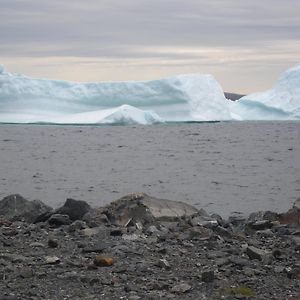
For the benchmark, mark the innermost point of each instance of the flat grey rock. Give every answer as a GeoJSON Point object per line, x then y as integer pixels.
{"type": "Point", "coordinates": [140, 207]}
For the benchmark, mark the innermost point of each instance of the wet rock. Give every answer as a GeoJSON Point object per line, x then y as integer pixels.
{"type": "Point", "coordinates": [58, 220]}
{"type": "Point", "coordinates": [103, 261]}
{"type": "Point", "coordinates": [75, 209]}
{"type": "Point", "coordinates": [17, 208]}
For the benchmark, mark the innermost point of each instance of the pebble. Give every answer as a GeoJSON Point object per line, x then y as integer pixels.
{"type": "Point", "coordinates": [52, 260]}
{"type": "Point", "coordinates": [181, 288]}
{"type": "Point", "coordinates": [103, 261]}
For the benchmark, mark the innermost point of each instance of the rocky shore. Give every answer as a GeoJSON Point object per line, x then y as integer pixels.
{"type": "Point", "coordinates": [140, 247]}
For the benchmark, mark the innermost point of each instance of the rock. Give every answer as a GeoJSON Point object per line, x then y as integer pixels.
{"type": "Point", "coordinates": [17, 208]}
{"type": "Point", "coordinates": [15, 258]}
{"type": "Point", "coordinates": [293, 272]}
{"type": "Point", "coordinates": [26, 272]}
{"type": "Point", "coordinates": [292, 216]}
{"type": "Point", "coordinates": [163, 263]}
{"type": "Point", "coordinates": [95, 217]}
{"type": "Point", "coordinates": [5, 222]}
{"type": "Point", "coordinates": [52, 243]}
{"type": "Point", "coordinates": [37, 245]}
{"type": "Point", "coordinates": [75, 209]}
{"type": "Point", "coordinates": [89, 232]}
{"type": "Point", "coordinates": [256, 253]}
{"type": "Point", "coordinates": [77, 225]}
{"type": "Point", "coordinates": [204, 220]}
{"type": "Point", "coordinates": [141, 208]}
{"type": "Point", "coordinates": [58, 220]}
{"type": "Point", "coordinates": [52, 260]}
{"type": "Point", "coordinates": [261, 225]}
{"type": "Point", "coordinates": [103, 261]}
{"type": "Point", "coordinates": [130, 237]}
{"type": "Point", "coordinates": [208, 276]}
{"type": "Point", "coordinates": [98, 248]}
{"type": "Point", "coordinates": [237, 218]}
{"type": "Point", "coordinates": [181, 288]}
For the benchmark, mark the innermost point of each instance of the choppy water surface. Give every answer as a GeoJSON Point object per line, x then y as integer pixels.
{"type": "Point", "coordinates": [222, 167]}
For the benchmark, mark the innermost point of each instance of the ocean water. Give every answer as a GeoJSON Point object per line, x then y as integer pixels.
{"type": "Point", "coordinates": [221, 167]}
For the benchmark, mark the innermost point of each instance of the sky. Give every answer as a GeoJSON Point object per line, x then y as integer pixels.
{"type": "Point", "coordinates": [244, 44]}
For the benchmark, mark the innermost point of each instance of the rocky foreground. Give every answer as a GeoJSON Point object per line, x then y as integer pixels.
{"type": "Point", "coordinates": [140, 247]}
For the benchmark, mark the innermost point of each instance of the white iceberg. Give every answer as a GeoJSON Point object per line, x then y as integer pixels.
{"type": "Point", "coordinates": [191, 97]}
{"type": "Point", "coordinates": [282, 102]}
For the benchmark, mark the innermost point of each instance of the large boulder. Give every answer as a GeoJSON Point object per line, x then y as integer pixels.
{"type": "Point", "coordinates": [75, 209]}
{"type": "Point", "coordinates": [17, 208]}
{"type": "Point", "coordinates": [140, 207]}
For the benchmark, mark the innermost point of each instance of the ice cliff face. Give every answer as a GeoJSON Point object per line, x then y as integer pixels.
{"type": "Point", "coordinates": [181, 98]}
{"type": "Point", "coordinates": [282, 102]}
{"type": "Point", "coordinates": [193, 97]}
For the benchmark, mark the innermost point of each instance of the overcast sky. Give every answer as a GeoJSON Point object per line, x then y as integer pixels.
{"type": "Point", "coordinates": [244, 44]}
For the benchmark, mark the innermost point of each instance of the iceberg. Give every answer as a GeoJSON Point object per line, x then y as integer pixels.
{"type": "Point", "coordinates": [282, 102]}
{"type": "Point", "coordinates": [193, 97]}
{"type": "Point", "coordinates": [182, 98]}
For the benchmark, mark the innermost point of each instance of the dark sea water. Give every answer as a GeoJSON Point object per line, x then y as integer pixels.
{"type": "Point", "coordinates": [221, 167]}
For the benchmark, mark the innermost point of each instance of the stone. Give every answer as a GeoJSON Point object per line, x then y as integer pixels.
{"type": "Point", "coordinates": [98, 248]}
{"type": "Point", "coordinates": [204, 221]}
{"type": "Point", "coordinates": [141, 208]}
{"type": "Point", "coordinates": [26, 272]}
{"type": "Point", "coordinates": [58, 220]}
{"type": "Point", "coordinates": [89, 232]}
{"type": "Point", "coordinates": [52, 260]}
{"type": "Point", "coordinates": [37, 245]}
{"type": "Point", "coordinates": [52, 243]}
{"type": "Point", "coordinates": [208, 276]}
{"type": "Point", "coordinates": [292, 216]}
{"type": "Point", "coordinates": [103, 261]}
{"type": "Point", "coordinates": [17, 208]}
{"type": "Point", "coordinates": [261, 225]}
{"type": "Point", "coordinates": [95, 217]}
{"type": "Point", "coordinates": [75, 209]}
{"type": "Point", "coordinates": [256, 253]}
{"type": "Point", "coordinates": [163, 263]}
{"type": "Point", "coordinates": [181, 288]}
{"type": "Point", "coordinates": [15, 258]}
{"type": "Point", "coordinates": [77, 225]}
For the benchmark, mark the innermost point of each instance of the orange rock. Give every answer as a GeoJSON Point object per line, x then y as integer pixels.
{"type": "Point", "coordinates": [103, 261]}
